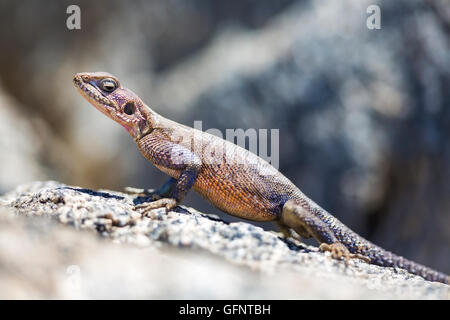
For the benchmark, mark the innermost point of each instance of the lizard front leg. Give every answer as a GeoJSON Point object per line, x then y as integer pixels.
{"type": "Point", "coordinates": [178, 189]}
{"type": "Point", "coordinates": [173, 158]}
{"type": "Point", "coordinates": [306, 223]}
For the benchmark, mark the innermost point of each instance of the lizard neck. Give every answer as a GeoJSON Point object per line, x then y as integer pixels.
{"type": "Point", "coordinates": [152, 121]}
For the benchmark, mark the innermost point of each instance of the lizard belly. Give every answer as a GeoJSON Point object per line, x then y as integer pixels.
{"type": "Point", "coordinates": [221, 187]}
{"type": "Point", "coordinates": [217, 186]}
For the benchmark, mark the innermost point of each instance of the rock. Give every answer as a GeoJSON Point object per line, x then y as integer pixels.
{"type": "Point", "coordinates": [83, 243]}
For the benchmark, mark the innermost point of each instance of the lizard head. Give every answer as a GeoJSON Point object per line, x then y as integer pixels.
{"type": "Point", "coordinates": [105, 93]}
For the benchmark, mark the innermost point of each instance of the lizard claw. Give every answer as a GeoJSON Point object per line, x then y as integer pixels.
{"type": "Point", "coordinates": [338, 251]}
{"type": "Point", "coordinates": [168, 203]}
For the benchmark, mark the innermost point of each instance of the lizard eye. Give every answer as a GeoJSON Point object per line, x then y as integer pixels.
{"type": "Point", "coordinates": [129, 108]}
{"type": "Point", "coordinates": [108, 85]}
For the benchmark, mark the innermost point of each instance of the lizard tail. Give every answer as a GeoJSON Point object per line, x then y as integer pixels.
{"type": "Point", "coordinates": [377, 255]}
{"type": "Point", "coordinates": [308, 219]}
{"type": "Point", "coordinates": [385, 258]}
{"type": "Point", "coordinates": [381, 257]}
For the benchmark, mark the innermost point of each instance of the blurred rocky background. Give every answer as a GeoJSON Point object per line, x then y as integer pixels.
{"type": "Point", "coordinates": [364, 115]}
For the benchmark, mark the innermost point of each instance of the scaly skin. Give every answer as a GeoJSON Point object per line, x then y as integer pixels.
{"type": "Point", "coordinates": [230, 177]}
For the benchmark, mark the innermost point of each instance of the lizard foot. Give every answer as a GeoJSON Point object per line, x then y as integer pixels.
{"type": "Point", "coordinates": [168, 203]}
{"type": "Point", "coordinates": [338, 250]}
{"type": "Point", "coordinates": [285, 230]}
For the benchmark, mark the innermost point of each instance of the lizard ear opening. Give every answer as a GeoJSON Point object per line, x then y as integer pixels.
{"type": "Point", "coordinates": [129, 108]}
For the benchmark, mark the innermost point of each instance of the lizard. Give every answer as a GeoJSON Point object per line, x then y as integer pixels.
{"type": "Point", "coordinates": [232, 178]}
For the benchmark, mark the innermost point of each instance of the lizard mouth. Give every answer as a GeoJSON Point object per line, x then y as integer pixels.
{"type": "Point", "coordinates": [93, 95]}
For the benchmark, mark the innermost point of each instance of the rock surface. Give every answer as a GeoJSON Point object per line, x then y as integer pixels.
{"type": "Point", "coordinates": [60, 241]}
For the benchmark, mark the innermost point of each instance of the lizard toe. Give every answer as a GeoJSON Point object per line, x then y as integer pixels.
{"type": "Point", "coordinates": [338, 251]}
{"type": "Point", "coordinates": [167, 203]}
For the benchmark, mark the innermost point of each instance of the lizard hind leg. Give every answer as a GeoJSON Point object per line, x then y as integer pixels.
{"type": "Point", "coordinates": [298, 234]}
{"type": "Point", "coordinates": [287, 232]}
{"type": "Point", "coordinates": [305, 222]}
